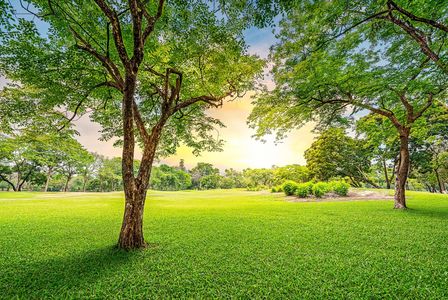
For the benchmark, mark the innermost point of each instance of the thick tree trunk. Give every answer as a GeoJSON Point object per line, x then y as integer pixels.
{"type": "Point", "coordinates": [402, 170]}
{"type": "Point", "coordinates": [131, 234]}
{"type": "Point", "coordinates": [386, 174]}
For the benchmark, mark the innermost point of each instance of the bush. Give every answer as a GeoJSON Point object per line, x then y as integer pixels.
{"type": "Point", "coordinates": [273, 189]}
{"type": "Point", "coordinates": [302, 190]}
{"type": "Point", "coordinates": [320, 189]}
{"type": "Point", "coordinates": [289, 187]}
{"type": "Point", "coordinates": [340, 187]}
{"type": "Point", "coordinates": [309, 186]}
{"type": "Point", "coordinates": [279, 188]}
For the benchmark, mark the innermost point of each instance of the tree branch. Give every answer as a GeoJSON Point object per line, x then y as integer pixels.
{"type": "Point", "coordinates": [104, 60]}
{"type": "Point", "coordinates": [106, 83]}
{"type": "Point", "coordinates": [418, 19]}
{"type": "Point", "coordinates": [8, 182]}
{"type": "Point", "coordinates": [116, 31]}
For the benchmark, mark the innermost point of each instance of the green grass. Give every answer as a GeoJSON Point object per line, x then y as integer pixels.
{"type": "Point", "coordinates": [223, 244]}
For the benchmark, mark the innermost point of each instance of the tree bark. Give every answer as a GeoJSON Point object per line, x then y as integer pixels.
{"type": "Point", "coordinates": [84, 184]}
{"type": "Point", "coordinates": [402, 170]}
{"type": "Point", "coordinates": [47, 182]}
{"type": "Point", "coordinates": [67, 182]}
{"type": "Point", "coordinates": [386, 174]}
{"type": "Point", "coordinates": [439, 182]}
{"type": "Point", "coordinates": [131, 233]}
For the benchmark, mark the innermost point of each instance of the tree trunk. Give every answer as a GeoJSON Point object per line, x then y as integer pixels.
{"type": "Point", "coordinates": [402, 170]}
{"type": "Point", "coordinates": [47, 182]}
{"type": "Point", "coordinates": [66, 183]}
{"type": "Point", "coordinates": [84, 184]}
{"type": "Point", "coordinates": [131, 234]}
{"type": "Point", "coordinates": [439, 182]}
{"type": "Point", "coordinates": [386, 174]}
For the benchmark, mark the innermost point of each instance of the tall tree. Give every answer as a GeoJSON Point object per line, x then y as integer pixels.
{"type": "Point", "coordinates": [148, 69]}
{"type": "Point", "coordinates": [385, 73]}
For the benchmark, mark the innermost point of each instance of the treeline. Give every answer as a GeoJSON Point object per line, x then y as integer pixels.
{"type": "Point", "coordinates": [365, 158]}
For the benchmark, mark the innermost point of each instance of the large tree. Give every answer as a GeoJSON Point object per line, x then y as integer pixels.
{"type": "Point", "coordinates": [326, 79]}
{"type": "Point", "coordinates": [146, 69]}
{"type": "Point", "coordinates": [335, 154]}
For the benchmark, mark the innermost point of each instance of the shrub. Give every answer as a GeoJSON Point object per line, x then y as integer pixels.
{"type": "Point", "coordinates": [279, 188]}
{"type": "Point", "coordinates": [320, 189]}
{"type": "Point", "coordinates": [289, 187]}
{"type": "Point", "coordinates": [340, 187]}
{"type": "Point", "coordinates": [273, 189]}
{"type": "Point", "coordinates": [309, 186]}
{"type": "Point", "coordinates": [302, 190]}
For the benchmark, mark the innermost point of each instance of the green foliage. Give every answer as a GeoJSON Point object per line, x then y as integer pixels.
{"type": "Point", "coordinates": [335, 154]}
{"type": "Point", "coordinates": [320, 189]}
{"type": "Point", "coordinates": [340, 187]}
{"type": "Point", "coordinates": [295, 173]}
{"type": "Point", "coordinates": [302, 190]}
{"type": "Point", "coordinates": [166, 178]}
{"type": "Point", "coordinates": [258, 177]}
{"type": "Point", "coordinates": [289, 187]}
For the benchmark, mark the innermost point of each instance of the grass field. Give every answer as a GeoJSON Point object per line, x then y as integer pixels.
{"type": "Point", "coordinates": [223, 244]}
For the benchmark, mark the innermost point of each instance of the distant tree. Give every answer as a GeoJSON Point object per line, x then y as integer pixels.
{"type": "Point", "coordinates": [18, 159]}
{"type": "Point", "coordinates": [74, 160]}
{"type": "Point", "coordinates": [258, 177]}
{"type": "Point", "coordinates": [109, 175]}
{"type": "Point", "coordinates": [202, 170]}
{"type": "Point", "coordinates": [334, 154]}
{"type": "Point", "coordinates": [379, 136]}
{"type": "Point", "coordinates": [232, 179]}
{"type": "Point", "coordinates": [166, 178]}
{"type": "Point", "coordinates": [295, 173]}
{"type": "Point", "coordinates": [182, 165]}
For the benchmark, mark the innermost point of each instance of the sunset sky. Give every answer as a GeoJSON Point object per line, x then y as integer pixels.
{"type": "Point", "coordinates": [241, 150]}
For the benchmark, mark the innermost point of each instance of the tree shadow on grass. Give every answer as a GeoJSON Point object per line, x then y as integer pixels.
{"type": "Point", "coordinates": [431, 213]}
{"type": "Point", "coordinates": [59, 277]}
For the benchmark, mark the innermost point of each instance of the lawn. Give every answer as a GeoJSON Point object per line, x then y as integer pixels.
{"type": "Point", "coordinates": [223, 244]}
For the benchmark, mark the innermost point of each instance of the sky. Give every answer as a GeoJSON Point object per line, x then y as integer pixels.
{"type": "Point", "coordinates": [240, 150]}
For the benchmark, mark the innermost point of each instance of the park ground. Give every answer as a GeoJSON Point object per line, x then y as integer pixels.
{"type": "Point", "coordinates": [223, 244]}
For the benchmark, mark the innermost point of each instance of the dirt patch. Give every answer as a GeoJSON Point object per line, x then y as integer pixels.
{"type": "Point", "coordinates": [361, 195]}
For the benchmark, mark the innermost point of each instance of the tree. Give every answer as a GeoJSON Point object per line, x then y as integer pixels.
{"type": "Point", "coordinates": [202, 170]}
{"type": "Point", "coordinates": [258, 177]}
{"type": "Point", "coordinates": [166, 178]}
{"type": "Point", "coordinates": [18, 159]}
{"type": "Point", "coordinates": [109, 175]}
{"type": "Point", "coordinates": [334, 154]}
{"type": "Point", "coordinates": [148, 69]}
{"type": "Point", "coordinates": [295, 173]}
{"type": "Point", "coordinates": [73, 161]}
{"type": "Point", "coordinates": [378, 134]}
{"type": "Point", "coordinates": [385, 73]}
